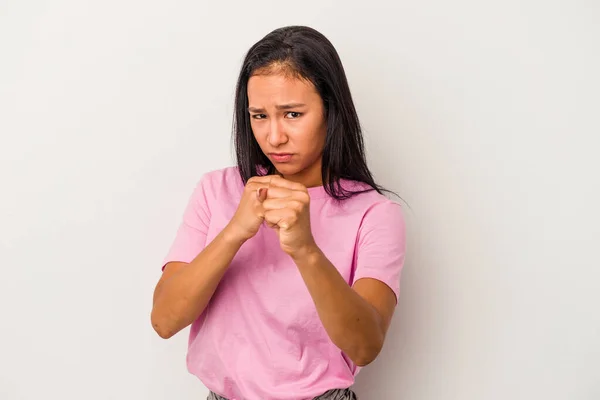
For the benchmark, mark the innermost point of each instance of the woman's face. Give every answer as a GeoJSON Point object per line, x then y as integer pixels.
{"type": "Point", "coordinates": [288, 121]}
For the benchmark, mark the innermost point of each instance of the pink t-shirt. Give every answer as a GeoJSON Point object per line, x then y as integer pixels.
{"type": "Point", "coordinates": [260, 337]}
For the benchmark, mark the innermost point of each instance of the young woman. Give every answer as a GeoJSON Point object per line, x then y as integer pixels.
{"type": "Point", "coordinates": [287, 266]}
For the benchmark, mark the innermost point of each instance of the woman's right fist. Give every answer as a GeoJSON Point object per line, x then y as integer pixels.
{"type": "Point", "coordinates": [250, 213]}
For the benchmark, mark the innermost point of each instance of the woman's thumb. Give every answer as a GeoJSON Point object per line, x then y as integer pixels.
{"type": "Point", "coordinates": [261, 194]}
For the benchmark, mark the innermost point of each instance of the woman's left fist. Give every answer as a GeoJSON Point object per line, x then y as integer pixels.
{"type": "Point", "coordinates": [287, 210]}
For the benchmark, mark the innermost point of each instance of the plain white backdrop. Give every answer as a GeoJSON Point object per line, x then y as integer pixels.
{"type": "Point", "coordinates": [483, 116]}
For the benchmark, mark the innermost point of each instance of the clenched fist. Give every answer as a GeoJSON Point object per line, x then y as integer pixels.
{"type": "Point", "coordinates": [287, 210]}
{"type": "Point", "coordinates": [250, 213]}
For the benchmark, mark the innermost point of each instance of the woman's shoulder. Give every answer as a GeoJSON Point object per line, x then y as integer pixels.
{"type": "Point", "coordinates": [223, 181]}
{"type": "Point", "coordinates": [376, 211]}
{"type": "Point", "coordinates": [364, 194]}
{"type": "Point", "coordinates": [365, 201]}
{"type": "Point", "coordinates": [227, 175]}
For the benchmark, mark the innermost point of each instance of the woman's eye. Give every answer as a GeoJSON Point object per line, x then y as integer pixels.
{"type": "Point", "coordinates": [259, 116]}
{"type": "Point", "coordinates": [293, 114]}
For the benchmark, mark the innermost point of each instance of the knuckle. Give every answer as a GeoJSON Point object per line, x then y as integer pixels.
{"type": "Point", "coordinates": [252, 186]}
{"type": "Point", "coordinates": [304, 197]}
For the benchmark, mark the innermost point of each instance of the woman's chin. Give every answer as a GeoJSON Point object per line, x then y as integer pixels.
{"type": "Point", "coordinates": [287, 168]}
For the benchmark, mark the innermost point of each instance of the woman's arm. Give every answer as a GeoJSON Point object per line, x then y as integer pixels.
{"type": "Point", "coordinates": [355, 318]}
{"type": "Point", "coordinates": [184, 289]}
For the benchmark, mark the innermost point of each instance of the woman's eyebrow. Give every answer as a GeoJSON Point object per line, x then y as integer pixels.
{"type": "Point", "coordinates": [289, 106]}
{"type": "Point", "coordinates": [279, 107]}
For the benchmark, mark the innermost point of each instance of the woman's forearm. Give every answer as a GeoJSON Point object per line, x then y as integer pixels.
{"type": "Point", "coordinates": [351, 322]}
{"type": "Point", "coordinates": [181, 298]}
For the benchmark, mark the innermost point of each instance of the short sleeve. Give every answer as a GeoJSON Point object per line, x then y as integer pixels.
{"type": "Point", "coordinates": [190, 238]}
{"type": "Point", "coordinates": [381, 245]}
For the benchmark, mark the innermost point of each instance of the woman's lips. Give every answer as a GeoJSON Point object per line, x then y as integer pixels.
{"type": "Point", "coordinates": [281, 157]}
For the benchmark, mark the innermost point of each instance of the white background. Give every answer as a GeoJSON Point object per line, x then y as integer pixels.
{"type": "Point", "coordinates": [483, 116]}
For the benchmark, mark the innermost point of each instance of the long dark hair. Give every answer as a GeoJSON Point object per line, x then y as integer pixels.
{"type": "Point", "coordinates": [308, 54]}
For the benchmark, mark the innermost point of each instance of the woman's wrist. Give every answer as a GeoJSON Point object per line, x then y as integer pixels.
{"type": "Point", "coordinates": [306, 255]}
{"type": "Point", "coordinates": [231, 236]}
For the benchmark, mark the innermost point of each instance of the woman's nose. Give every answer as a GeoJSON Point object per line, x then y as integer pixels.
{"type": "Point", "coordinates": [277, 135]}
